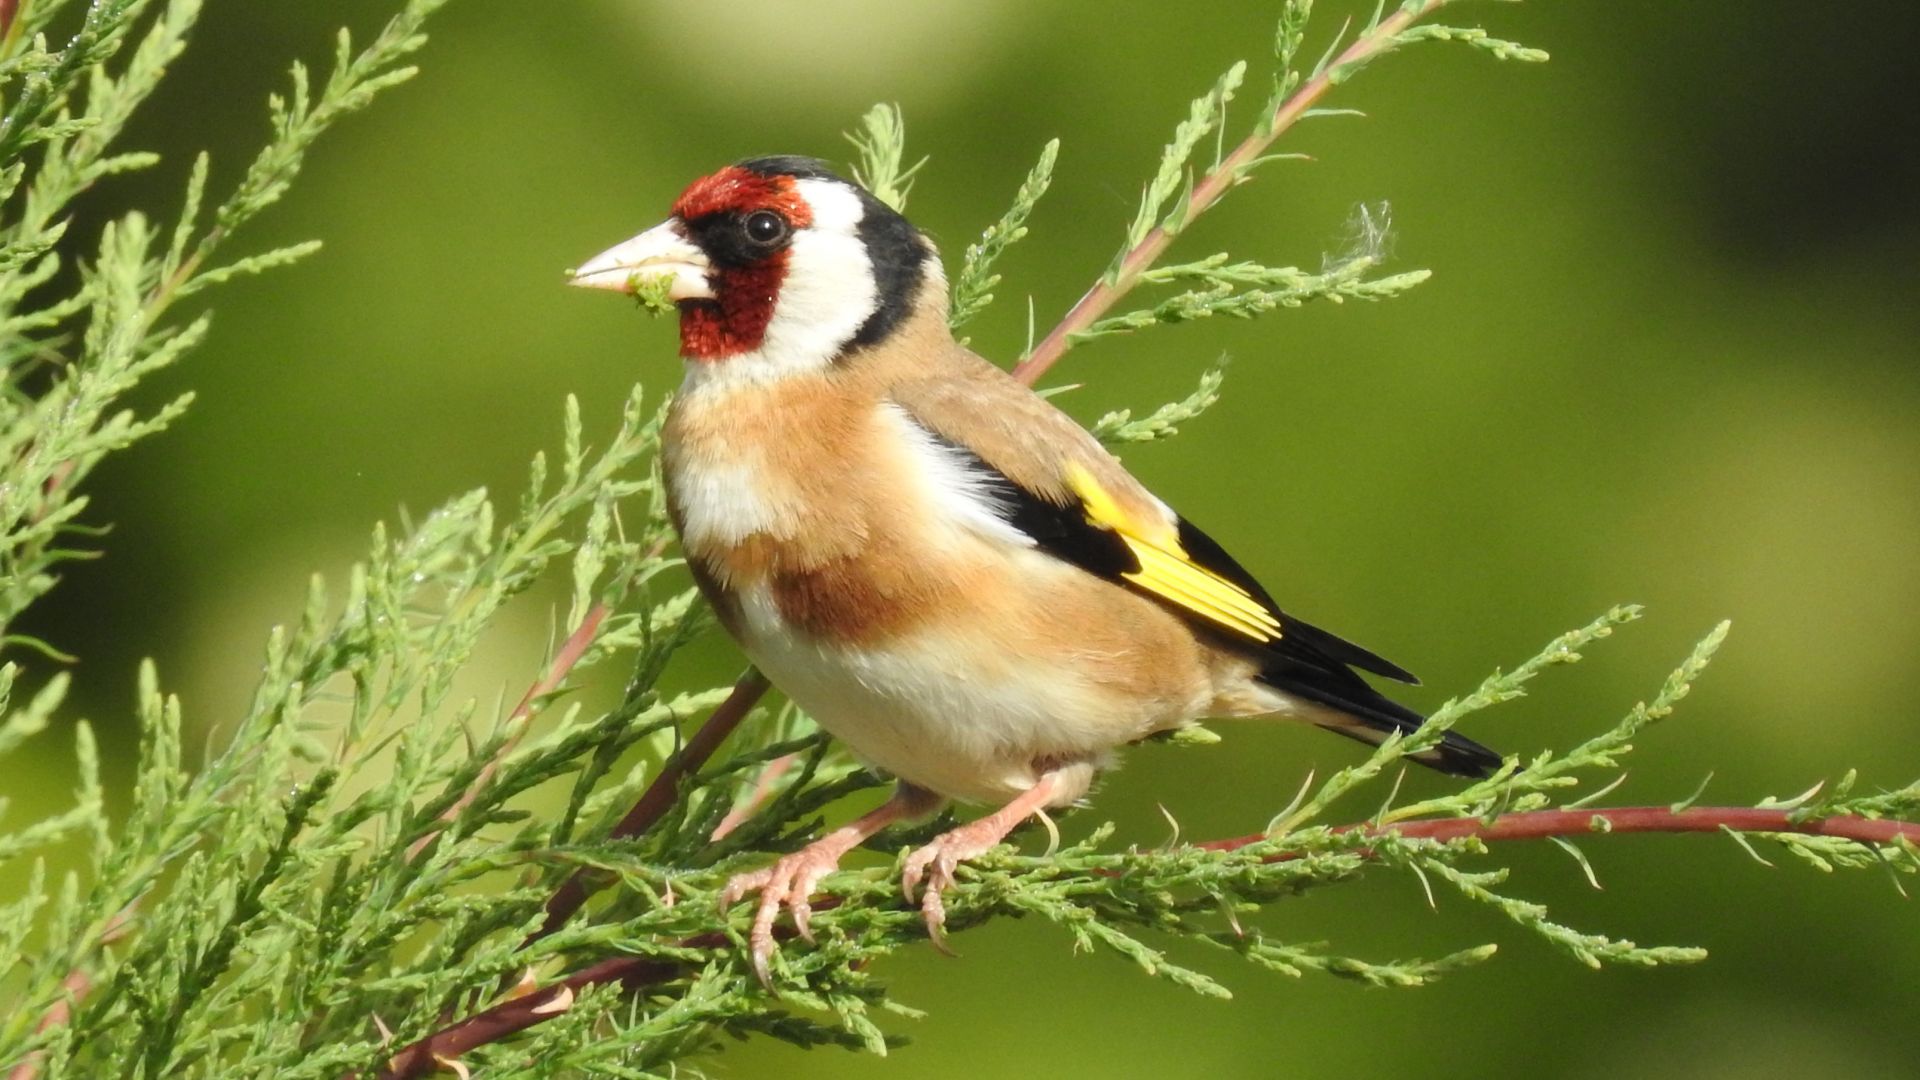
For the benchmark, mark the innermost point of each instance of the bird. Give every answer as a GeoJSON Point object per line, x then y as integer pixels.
{"type": "Point", "coordinates": [948, 573]}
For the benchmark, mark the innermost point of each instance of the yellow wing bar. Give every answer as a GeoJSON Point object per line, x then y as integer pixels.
{"type": "Point", "coordinates": [1167, 571]}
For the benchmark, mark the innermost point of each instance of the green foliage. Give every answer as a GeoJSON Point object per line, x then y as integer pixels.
{"type": "Point", "coordinates": [881, 141]}
{"type": "Point", "coordinates": [1479, 39]}
{"type": "Point", "coordinates": [973, 286]}
{"type": "Point", "coordinates": [75, 345]}
{"type": "Point", "coordinates": [277, 894]}
{"type": "Point", "coordinates": [1164, 422]}
{"type": "Point", "coordinates": [653, 293]}
{"type": "Point", "coordinates": [1207, 114]}
{"type": "Point", "coordinates": [1174, 197]}
{"type": "Point", "coordinates": [368, 855]}
{"type": "Point", "coordinates": [1243, 290]}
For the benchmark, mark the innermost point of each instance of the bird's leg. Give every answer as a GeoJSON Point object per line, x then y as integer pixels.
{"type": "Point", "coordinates": [792, 877]}
{"type": "Point", "coordinates": [936, 861]}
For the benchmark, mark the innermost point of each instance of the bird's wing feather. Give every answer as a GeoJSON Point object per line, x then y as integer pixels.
{"type": "Point", "coordinates": [1060, 487]}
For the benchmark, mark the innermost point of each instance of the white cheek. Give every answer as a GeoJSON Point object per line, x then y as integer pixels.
{"type": "Point", "coordinates": [836, 207]}
{"type": "Point", "coordinates": [827, 293]}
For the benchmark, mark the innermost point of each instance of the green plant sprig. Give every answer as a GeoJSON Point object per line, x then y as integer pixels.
{"type": "Point", "coordinates": [881, 141]}
{"type": "Point", "coordinates": [973, 286]}
{"type": "Point", "coordinates": [1120, 427]}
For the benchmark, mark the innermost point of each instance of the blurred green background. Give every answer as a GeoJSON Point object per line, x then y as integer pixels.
{"type": "Point", "coordinates": [1668, 355]}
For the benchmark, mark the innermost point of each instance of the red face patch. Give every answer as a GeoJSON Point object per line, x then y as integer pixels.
{"type": "Point", "coordinates": [736, 190]}
{"type": "Point", "coordinates": [735, 321]}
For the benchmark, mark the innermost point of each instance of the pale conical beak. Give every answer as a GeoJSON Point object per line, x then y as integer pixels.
{"type": "Point", "coordinates": [660, 252]}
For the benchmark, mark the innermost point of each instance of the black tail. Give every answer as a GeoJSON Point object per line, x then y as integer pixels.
{"type": "Point", "coordinates": [1370, 716]}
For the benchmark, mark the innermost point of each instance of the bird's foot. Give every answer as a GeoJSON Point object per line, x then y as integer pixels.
{"type": "Point", "coordinates": [791, 878]}
{"type": "Point", "coordinates": [935, 863]}
{"type": "Point", "coordinates": [789, 881]}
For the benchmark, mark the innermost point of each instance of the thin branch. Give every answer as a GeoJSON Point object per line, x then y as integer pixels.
{"type": "Point", "coordinates": [660, 795]}
{"type": "Point", "coordinates": [1541, 824]}
{"type": "Point", "coordinates": [762, 790]}
{"type": "Point", "coordinates": [517, 1014]}
{"type": "Point", "coordinates": [75, 986]}
{"type": "Point", "coordinates": [570, 653]}
{"type": "Point", "coordinates": [1230, 171]}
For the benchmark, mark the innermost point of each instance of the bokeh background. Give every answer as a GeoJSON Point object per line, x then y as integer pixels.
{"type": "Point", "coordinates": [1668, 355]}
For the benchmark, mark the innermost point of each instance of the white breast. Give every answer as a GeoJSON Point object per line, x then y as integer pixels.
{"type": "Point", "coordinates": [722, 502]}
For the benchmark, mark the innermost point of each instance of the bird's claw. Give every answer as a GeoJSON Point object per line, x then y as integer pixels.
{"type": "Point", "coordinates": [789, 881]}
{"type": "Point", "coordinates": [934, 865]}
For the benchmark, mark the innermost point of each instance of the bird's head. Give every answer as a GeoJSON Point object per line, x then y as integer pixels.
{"type": "Point", "coordinates": [778, 265]}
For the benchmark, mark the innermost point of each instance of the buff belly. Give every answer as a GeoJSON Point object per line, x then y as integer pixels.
{"type": "Point", "coordinates": [965, 718]}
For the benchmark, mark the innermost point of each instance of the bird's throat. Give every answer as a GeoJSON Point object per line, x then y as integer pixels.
{"type": "Point", "coordinates": [736, 320]}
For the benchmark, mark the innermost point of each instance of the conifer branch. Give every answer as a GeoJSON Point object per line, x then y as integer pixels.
{"type": "Point", "coordinates": [517, 1014]}
{"type": "Point", "coordinates": [569, 654]}
{"type": "Point", "coordinates": [1149, 242]}
{"type": "Point", "coordinates": [74, 988]}
{"type": "Point", "coordinates": [540, 1005]}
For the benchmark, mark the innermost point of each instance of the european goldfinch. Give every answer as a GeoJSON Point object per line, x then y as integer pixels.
{"type": "Point", "coordinates": [947, 572]}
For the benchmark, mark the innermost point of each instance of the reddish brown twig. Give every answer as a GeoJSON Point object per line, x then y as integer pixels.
{"type": "Point", "coordinates": [1110, 288]}
{"type": "Point", "coordinates": [570, 653]}
{"type": "Point", "coordinates": [660, 795]}
{"type": "Point", "coordinates": [1539, 824]}
{"type": "Point", "coordinates": [762, 788]}
{"type": "Point", "coordinates": [520, 1013]}
{"type": "Point", "coordinates": [76, 985]}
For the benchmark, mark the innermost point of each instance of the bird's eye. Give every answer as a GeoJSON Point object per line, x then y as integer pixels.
{"type": "Point", "coordinates": [766, 227]}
